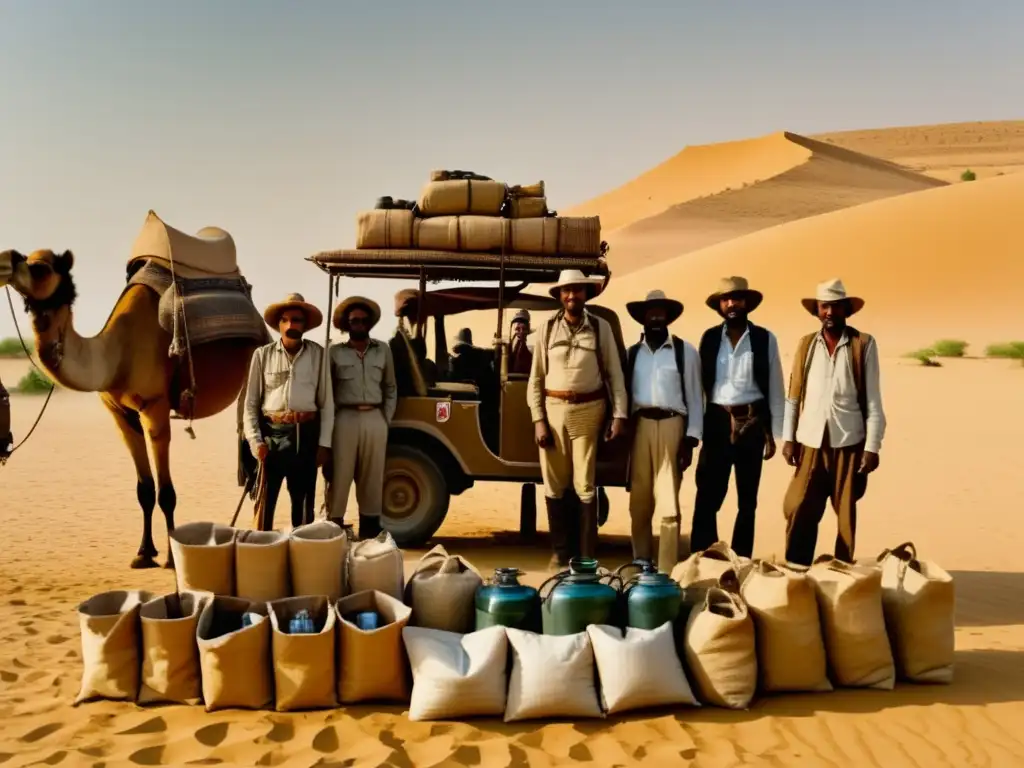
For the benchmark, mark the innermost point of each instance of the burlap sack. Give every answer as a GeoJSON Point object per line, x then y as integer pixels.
{"type": "Point", "coordinates": [538, 237]}
{"type": "Point", "coordinates": [454, 675]}
{"type": "Point", "coordinates": [388, 228]}
{"type": "Point", "coordinates": [721, 652]}
{"type": "Point", "coordinates": [316, 559]}
{"type": "Point", "coordinates": [850, 602]}
{"type": "Point", "coordinates": [483, 233]}
{"type": "Point", "coordinates": [204, 558]}
{"type": "Point", "coordinates": [716, 566]}
{"type": "Point", "coordinates": [552, 676]}
{"type": "Point", "coordinates": [639, 670]}
{"type": "Point", "coordinates": [376, 564]}
{"type": "Point", "coordinates": [109, 623]}
{"type": "Point", "coordinates": [372, 664]}
{"type": "Point", "coordinates": [442, 592]}
{"type": "Point", "coordinates": [170, 655]}
{"type": "Point", "coordinates": [528, 207]}
{"type": "Point", "coordinates": [261, 566]}
{"type": "Point", "coordinates": [918, 600]}
{"type": "Point", "coordinates": [305, 675]}
{"type": "Point", "coordinates": [579, 235]}
{"type": "Point", "coordinates": [790, 648]}
{"type": "Point", "coordinates": [235, 660]}
{"type": "Point", "coordinates": [527, 190]}
{"type": "Point", "coordinates": [461, 198]}
{"type": "Point", "coordinates": [437, 234]}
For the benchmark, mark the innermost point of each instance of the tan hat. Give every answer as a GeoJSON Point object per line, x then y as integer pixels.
{"type": "Point", "coordinates": [728, 286]}
{"type": "Point", "coordinates": [638, 309]}
{"type": "Point", "coordinates": [832, 291]}
{"type": "Point", "coordinates": [522, 316]}
{"type": "Point", "coordinates": [567, 277]}
{"type": "Point", "coordinates": [340, 317]}
{"type": "Point", "coordinates": [272, 314]}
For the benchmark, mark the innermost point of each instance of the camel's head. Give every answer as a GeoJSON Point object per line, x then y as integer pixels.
{"type": "Point", "coordinates": [43, 278]}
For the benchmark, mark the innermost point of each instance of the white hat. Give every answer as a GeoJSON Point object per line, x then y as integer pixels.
{"type": "Point", "coordinates": [594, 285]}
{"type": "Point", "coordinates": [831, 291]}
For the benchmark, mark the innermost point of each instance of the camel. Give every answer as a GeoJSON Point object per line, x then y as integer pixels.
{"type": "Point", "coordinates": [127, 363]}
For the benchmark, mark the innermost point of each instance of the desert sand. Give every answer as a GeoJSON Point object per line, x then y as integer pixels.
{"type": "Point", "coordinates": [932, 260]}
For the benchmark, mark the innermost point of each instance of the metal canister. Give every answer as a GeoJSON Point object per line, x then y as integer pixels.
{"type": "Point", "coordinates": [578, 598]}
{"type": "Point", "coordinates": [503, 601]}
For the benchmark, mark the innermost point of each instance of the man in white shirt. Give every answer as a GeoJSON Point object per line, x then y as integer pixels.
{"type": "Point", "coordinates": [834, 424]}
{"type": "Point", "coordinates": [666, 405]}
{"type": "Point", "coordinates": [289, 410]}
{"type": "Point", "coordinates": [745, 404]}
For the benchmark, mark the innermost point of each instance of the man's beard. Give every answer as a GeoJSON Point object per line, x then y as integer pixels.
{"type": "Point", "coordinates": [738, 320]}
{"type": "Point", "coordinates": [656, 334]}
{"type": "Point", "coordinates": [358, 335]}
{"type": "Point", "coordinates": [293, 334]}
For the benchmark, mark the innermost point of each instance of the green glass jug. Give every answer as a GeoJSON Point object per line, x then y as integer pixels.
{"type": "Point", "coordinates": [503, 601]}
{"type": "Point", "coordinates": [578, 598]}
{"type": "Point", "coordinates": [652, 598]}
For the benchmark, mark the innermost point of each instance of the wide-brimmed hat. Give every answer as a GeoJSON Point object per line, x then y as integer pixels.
{"type": "Point", "coordinates": [734, 286]}
{"type": "Point", "coordinates": [522, 316]}
{"type": "Point", "coordinates": [594, 285]}
{"type": "Point", "coordinates": [638, 309]}
{"type": "Point", "coordinates": [340, 317]}
{"type": "Point", "coordinates": [272, 314]}
{"type": "Point", "coordinates": [832, 291]}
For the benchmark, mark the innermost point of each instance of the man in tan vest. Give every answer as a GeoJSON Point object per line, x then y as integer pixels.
{"type": "Point", "coordinates": [288, 413]}
{"type": "Point", "coordinates": [365, 399]}
{"type": "Point", "coordinates": [576, 370]}
{"type": "Point", "coordinates": [834, 424]}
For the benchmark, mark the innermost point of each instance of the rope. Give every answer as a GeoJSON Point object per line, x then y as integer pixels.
{"type": "Point", "coordinates": [260, 508]}
{"type": "Point", "coordinates": [24, 346]}
{"type": "Point", "coordinates": [190, 393]}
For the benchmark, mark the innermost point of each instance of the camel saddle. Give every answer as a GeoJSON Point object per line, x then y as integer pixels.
{"type": "Point", "coordinates": [208, 253]}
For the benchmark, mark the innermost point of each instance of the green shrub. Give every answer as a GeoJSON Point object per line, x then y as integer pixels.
{"type": "Point", "coordinates": [1013, 350]}
{"type": "Point", "coordinates": [12, 348]}
{"type": "Point", "coordinates": [925, 357]}
{"type": "Point", "coordinates": [34, 383]}
{"type": "Point", "coordinates": [949, 348]}
{"type": "Point", "coordinates": [968, 175]}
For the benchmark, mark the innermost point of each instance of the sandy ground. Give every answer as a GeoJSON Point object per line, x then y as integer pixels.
{"type": "Point", "coordinates": [71, 526]}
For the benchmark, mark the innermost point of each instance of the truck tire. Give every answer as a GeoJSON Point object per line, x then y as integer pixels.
{"type": "Point", "coordinates": [415, 496]}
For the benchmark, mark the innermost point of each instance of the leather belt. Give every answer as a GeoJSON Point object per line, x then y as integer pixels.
{"type": "Point", "coordinates": [574, 398]}
{"type": "Point", "coordinates": [358, 407]}
{"type": "Point", "coordinates": [290, 417]}
{"type": "Point", "coordinates": [657, 414]}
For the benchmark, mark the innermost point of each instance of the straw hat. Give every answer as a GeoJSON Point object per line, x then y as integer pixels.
{"type": "Point", "coordinates": [567, 277]}
{"type": "Point", "coordinates": [340, 317]}
{"type": "Point", "coordinates": [730, 286]}
{"type": "Point", "coordinates": [522, 316]}
{"type": "Point", "coordinates": [832, 291]}
{"type": "Point", "coordinates": [638, 309]}
{"type": "Point", "coordinates": [272, 314]}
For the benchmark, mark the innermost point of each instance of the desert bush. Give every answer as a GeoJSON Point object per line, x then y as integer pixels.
{"type": "Point", "coordinates": [925, 357]}
{"type": "Point", "coordinates": [949, 348]}
{"type": "Point", "coordinates": [34, 382]}
{"type": "Point", "coordinates": [12, 348]}
{"type": "Point", "coordinates": [1012, 350]}
{"type": "Point", "coordinates": [968, 175]}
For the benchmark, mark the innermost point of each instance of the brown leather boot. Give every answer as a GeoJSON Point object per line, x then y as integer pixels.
{"type": "Point", "coordinates": [559, 534]}
{"type": "Point", "coordinates": [588, 528]}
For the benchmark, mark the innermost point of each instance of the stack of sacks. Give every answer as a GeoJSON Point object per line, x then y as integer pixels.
{"type": "Point", "coordinates": [467, 212]}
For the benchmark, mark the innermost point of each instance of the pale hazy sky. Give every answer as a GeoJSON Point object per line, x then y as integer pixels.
{"type": "Point", "coordinates": [278, 121]}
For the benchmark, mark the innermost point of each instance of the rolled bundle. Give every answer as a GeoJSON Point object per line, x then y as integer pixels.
{"type": "Point", "coordinates": [462, 197]}
{"type": "Point", "coordinates": [384, 228]}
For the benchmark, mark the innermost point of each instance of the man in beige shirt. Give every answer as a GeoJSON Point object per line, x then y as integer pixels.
{"type": "Point", "coordinates": [576, 370]}
{"type": "Point", "coordinates": [288, 413]}
{"type": "Point", "coordinates": [834, 424]}
{"type": "Point", "coordinates": [365, 398]}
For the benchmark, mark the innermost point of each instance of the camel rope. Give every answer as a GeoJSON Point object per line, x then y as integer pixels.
{"type": "Point", "coordinates": [24, 346]}
{"type": "Point", "coordinates": [260, 507]}
{"type": "Point", "coordinates": [175, 348]}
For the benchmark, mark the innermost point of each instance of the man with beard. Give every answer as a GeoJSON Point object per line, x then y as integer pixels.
{"type": "Point", "coordinates": [834, 424]}
{"type": "Point", "coordinates": [520, 359]}
{"type": "Point", "coordinates": [289, 413]}
{"type": "Point", "coordinates": [365, 398]}
{"type": "Point", "coordinates": [667, 408]}
{"type": "Point", "coordinates": [575, 369]}
{"type": "Point", "coordinates": [745, 404]}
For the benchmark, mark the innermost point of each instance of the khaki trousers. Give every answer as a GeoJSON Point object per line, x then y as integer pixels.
{"type": "Point", "coordinates": [572, 459]}
{"type": "Point", "coordinates": [823, 475]}
{"type": "Point", "coordinates": [654, 478]}
{"type": "Point", "coordinates": [359, 445]}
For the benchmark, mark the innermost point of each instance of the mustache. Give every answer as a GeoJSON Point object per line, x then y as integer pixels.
{"type": "Point", "coordinates": [292, 333]}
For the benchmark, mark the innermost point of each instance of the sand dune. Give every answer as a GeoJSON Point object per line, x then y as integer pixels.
{"type": "Point", "coordinates": [942, 263]}
{"type": "Point", "coordinates": [944, 151]}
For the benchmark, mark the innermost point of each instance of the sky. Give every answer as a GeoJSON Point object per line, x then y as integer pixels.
{"type": "Point", "coordinates": [279, 121]}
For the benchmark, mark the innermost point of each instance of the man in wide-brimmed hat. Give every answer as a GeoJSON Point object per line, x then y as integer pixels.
{"type": "Point", "coordinates": [469, 363]}
{"type": "Point", "coordinates": [744, 406]}
{"type": "Point", "coordinates": [288, 411]}
{"type": "Point", "coordinates": [834, 424]}
{"type": "Point", "coordinates": [576, 371]}
{"type": "Point", "coordinates": [365, 398]}
{"type": "Point", "coordinates": [520, 358]}
{"type": "Point", "coordinates": [666, 406]}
